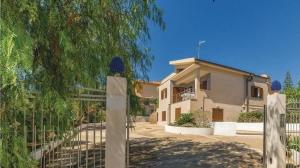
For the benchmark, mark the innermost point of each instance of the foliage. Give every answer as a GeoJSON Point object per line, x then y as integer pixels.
{"type": "Point", "coordinates": [289, 89]}
{"type": "Point", "coordinates": [288, 82]}
{"type": "Point", "coordinates": [143, 103]}
{"type": "Point", "coordinates": [293, 143]}
{"type": "Point", "coordinates": [292, 116]}
{"type": "Point", "coordinates": [153, 118]}
{"type": "Point", "coordinates": [19, 155]}
{"type": "Point", "coordinates": [254, 116]}
{"type": "Point", "coordinates": [49, 47]}
{"type": "Point", "coordinates": [193, 119]}
{"type": "Point", "coordinates": [201, 119]}
{"type": "Point", "coordinates": [185, 118]}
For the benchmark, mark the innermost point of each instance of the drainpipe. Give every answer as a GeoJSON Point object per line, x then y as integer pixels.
{"type": "Point", "coordinates": [248, 79]}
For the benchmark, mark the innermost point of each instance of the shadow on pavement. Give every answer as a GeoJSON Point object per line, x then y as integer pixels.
{"type": "Point", "coordinates": [173, 153]}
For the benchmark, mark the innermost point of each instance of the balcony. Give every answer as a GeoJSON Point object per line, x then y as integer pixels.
{"type": "Point", "coordinates": [186, 94]}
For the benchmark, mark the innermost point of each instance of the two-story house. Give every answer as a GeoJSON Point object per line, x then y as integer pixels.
{"type": "Point", "coordinates": [221, 91]}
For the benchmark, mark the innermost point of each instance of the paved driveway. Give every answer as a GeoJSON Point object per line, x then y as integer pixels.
{"type": "Point", "coordinates": [150, 146]}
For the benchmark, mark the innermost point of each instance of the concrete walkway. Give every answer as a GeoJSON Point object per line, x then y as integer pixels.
{"type": "Point", "coordinates": [150, 146]}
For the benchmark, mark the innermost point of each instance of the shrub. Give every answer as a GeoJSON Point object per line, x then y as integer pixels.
{"type": "Point", "coordinates": [185, 119]}
{"type": "Point", "coordinates": [293, 143]}
{"type": "Point", "coordinates": [153, 118]}
{"type": "Point", "coordinates": [193, 119]}
{"type": "Point", "coordinates": [292, 116]}
{"type": "Point", "coordinates": [254, 116]}
{"type": "Point", "coordinates": [201, 119]}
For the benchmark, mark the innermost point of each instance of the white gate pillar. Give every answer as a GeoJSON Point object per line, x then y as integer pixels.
{"type": "Point", "coordinates": [115, 143]}
{"type": "Point", "coordinates": [275, 131]}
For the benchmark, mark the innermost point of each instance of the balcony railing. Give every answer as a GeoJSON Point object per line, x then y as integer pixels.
{"type": "Point", "coordinates": [187, 94]}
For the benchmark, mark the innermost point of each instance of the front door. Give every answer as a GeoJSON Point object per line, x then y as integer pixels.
{"type": "Point", "coordinates": [217, 115]}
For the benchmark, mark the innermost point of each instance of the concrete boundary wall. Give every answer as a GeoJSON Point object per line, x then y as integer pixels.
{"type": "Point", "coordinates": [251, 127]}
{"type": "Point", "coordinates": [188, 130]}
{"type": "Point", "coordinates": [258, 127]}
{"type": "Point", "coordinates": [224, 128]}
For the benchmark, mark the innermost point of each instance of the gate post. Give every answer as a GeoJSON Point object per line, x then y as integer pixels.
{"type": "Point", "coordinates": [275, 131]}
{"type": "Point", "coordinates": [115, 143]}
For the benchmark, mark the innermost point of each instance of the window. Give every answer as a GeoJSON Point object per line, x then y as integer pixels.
{"type": "Point", "coordinates": [204, 85]}
{"type": "Point", "coordinates": [163, 94]}
{"type": "Point", "coordinates": [257, 92]}
{"type": "Point", "coordinates": [163, 116]}
{"type": "Point", "coordinates": [217, 115]}
{"type": "Point", "coordinates": [205, 82]}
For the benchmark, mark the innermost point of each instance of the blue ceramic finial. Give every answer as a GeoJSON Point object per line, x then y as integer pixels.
{"type": "Point", "coordinates": [116, 65]}
{"type": "Point", "coordinates": [276, 86]}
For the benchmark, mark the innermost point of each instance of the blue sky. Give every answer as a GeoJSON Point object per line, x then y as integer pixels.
{"type": "Point", "coordinates": [253, 35]}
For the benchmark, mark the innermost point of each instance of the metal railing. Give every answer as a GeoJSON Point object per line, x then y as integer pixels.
{"type": "Point", "coordinates": [52, 141]}
{"type": "Point", "coordinates": [293, 133]}
{"type": "Point", "coordinates": [186, 94]}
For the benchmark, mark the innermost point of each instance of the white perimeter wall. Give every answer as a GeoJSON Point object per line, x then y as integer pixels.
{"type": "Point", "coordinates": [259, 127]}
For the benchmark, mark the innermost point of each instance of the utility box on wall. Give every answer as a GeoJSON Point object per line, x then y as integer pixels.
{"type": "Point", "coordinates": [275, 131]}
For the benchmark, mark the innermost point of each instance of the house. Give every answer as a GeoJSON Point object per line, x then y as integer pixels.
{"type": "Point", "coordinates": [221, 91]}
{"type": "Point", "coordinates": [148, 94]}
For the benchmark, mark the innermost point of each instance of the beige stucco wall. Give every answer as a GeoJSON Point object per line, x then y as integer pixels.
{"type": "Point", "coordinates": [163, 104]}
{"type": "Point", "coordinates": [185, 108]}
{"type": "Point", "coordinates": [228, 92]}
{"type": "Point", "coordinates": [254, 102]}
{"type": "Point", "coordinates": [147, 90]}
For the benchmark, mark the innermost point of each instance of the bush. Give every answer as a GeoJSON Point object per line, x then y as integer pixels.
{"type": "Point", "coordinates": [201, 119]}
{"type": "Point", "coordinates": [293, 143]}
{"type": "Point", "coordinates": [153, 118]}
{"type": "Point", "coordinates": [186, 118]}
{"type": "Point", "coordinates": [292, 116]}
{"type": "Point", "coordinates": [254, 116]}
{"type": "Point", "coordinates": [193, 119]}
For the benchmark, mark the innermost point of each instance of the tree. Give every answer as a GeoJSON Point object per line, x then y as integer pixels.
{"type": "Point", "coordinates": [298, 91]}
{"type": "Point", "coordinates": [288, 82]}
{"type": "Point", "coordinates": [51, 46]}
{"type": "Point", "coordinates": [288, 87]}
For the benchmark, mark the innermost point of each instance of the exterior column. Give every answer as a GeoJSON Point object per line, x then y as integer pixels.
{"type": "Point", "coordinates": [197, 83]}
{"type": "Point", "coordinates": [116, 96]}
{"type": "Point", "coordinates": [170, 94]}
{"type": "Point", "coordinates": [169, 114]}
{"type": "Point", "coordinates": [275, 131]}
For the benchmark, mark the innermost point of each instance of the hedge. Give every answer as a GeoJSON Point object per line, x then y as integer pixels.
{"type": "Point", "coordinates": [254, 116]}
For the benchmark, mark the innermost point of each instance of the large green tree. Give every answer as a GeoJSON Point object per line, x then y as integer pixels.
{"type": "Point", "coordinates": [298, 90]}
{"type": "Point", "coordinates": [288, 86]}
{"type": "Point", "coordinates": [50, 46]}
{"type": "Point", "coordinates": [288, 82]}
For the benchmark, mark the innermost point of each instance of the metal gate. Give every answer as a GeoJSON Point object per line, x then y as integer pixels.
{"type": "Point", "coordinates": [81, 145]}
{"type": "Point", "coordinates": [51, 141]}
{"type": "Point", "coordinates": [293, 133]}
